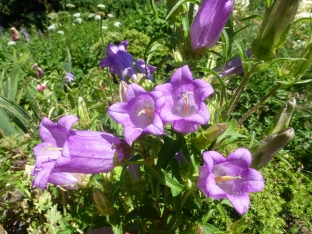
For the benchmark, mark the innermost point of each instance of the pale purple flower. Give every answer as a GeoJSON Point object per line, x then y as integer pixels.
{"type": "Point", "coordinates": [233, 67]}
{"type": "Point", "coordinates": [123, 64]}
{"type": "Point", "coordinates": [185, 108]}
{"type": "Point", "coordinates": [69, 77]}
{"type": "Point", "coordinates": [209, 22]}
{"type": "Point", "coordinates": [64, 151]}
{"type": "Point", "coordinates": [140, 113]}
{"type": "Point", "coordinates": [230, 177]}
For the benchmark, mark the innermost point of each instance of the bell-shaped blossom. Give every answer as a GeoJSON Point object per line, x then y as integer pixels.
{"type": "Point", "coordinates": [123, 64]}
{"type": "Point", "coordinates": [64, 151]}
{"type": "Point", "coordinates": [38, 70]}
{"type": "Point", "coordinates": [41, 87]}
{"type": "Point", "coordinates": [185, 108]}
{"type": "Point", "coordinates": [209, 22]}
{"type": "Point", "coordinates": [139, 113]}
{"type": "Point", "coordinates": [230, 177]}
{"type": "Point", "coordinates": [233, 67]}
{"type": "Point", "coordinates": [69, 77]}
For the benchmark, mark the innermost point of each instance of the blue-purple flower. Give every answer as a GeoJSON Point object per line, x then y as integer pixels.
{"type": "Point", "coordinates": [209, 22]}
{"type": "Point", "coordinates": [64, 151]}
{"type": "Point", "coordinates": [124, 65]}
{"type": "Point", "coordinates": [139, 113]}
{"type": "Point", "coordinates": [69, 77]}
{"type": "Point", "coordinates": [185, 108]}
{"type": "Point", "coordinates": [230, 177]}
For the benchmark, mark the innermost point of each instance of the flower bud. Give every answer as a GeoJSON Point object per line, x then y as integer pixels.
{"type": "Point", "coordinates": [203, 139]}
{"type": "Point", "coordinates": [302, 66]}
{"type": "Point", "coordinates": [122, 91]}
{"type": "Point", "coordinates": [83, 113]}
{"type": "Point", "coordinates": [274, 28]}
{"type": "Point", "coordinates": [102, 203]}
{"type": "Point", "coordinates": [41, 87]}
{"type": "Point", "coordinates": [269, 146]}
{"type": "Point", "coordinates": [283, 116]}
{"type": "Point", "coordinates": [134, 173]}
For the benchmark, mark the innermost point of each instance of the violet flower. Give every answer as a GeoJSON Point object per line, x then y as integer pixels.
{"type": "Point", "coordinates": [209, 22]}
{"type": "Point", "coordinates": [38, 70]}
{"type": "Point", "coordinates": [185, 108]}
{"type": "Point", "coordinates": [140, 113]}
{"type": "Point", "coordinates": [230, 178]}
{"type": "Point", "coordinates": [69, 77]}
{"type": "Point", "coordinates": [124, 65]}
{"type": "Point", "coordinates": [233, 67]}
{"type": "Point", "coordinates": [64, 151]}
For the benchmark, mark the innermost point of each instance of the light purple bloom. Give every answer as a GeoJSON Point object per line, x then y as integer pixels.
{"type": "Point", "coordinates": [185, 108]}
{"type": "Point", "coordinates": [230, 178]}
{"type": "Point", "coordinates": [38, 70]}
{"type": "Point", "coordinates": [140, 113]}
{"type": "Point", "coordinates": [209, 22]}
{"type": "Point", "coordinates": [123, 64]}
{"type": "Point", "coordinates": [233, 67]}
{"type": "Point", "coordinates": [64, 151]}
{"type": "Point", "coordinates": [69, 77]}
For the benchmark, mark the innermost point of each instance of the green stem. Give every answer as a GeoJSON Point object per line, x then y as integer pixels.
{"type": "Point", "coordinates": [255, 107]}
{"type": "Point", "coordinates": [238, 92]}
{"type": "Point", "coordinates": [64, 202]}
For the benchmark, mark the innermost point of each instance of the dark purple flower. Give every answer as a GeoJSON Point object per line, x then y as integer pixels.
{"type": "Point", "coordinates": [230, 178]}
{"type": "Point", "coordinates": [38, 70]}
{"type": "Point", "coordinates": [123, 64]}
{"type": "Point", "coordinates": [69, 77]}
{"type": "Point", "coordinates": [185, 108]}
{"type": "Point", "coordinates": [233, 67]}
{"type": "Point", "coordinates": [209, 22]}
{"type": "Point", "coordinates": [64, 151]}
{"type": "Point", "coordinates": [140, 112]}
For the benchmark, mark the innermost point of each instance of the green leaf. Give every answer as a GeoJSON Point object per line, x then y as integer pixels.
{"type": "Point", "coordinates": [229, 130]}
{"type": "Point", "coordinates": [239, 226]}
{"type": "Point", "coordinates": [210, 229]}
{"type": "Point", "coordinates": [143, 212]}
{"type": "Point", "coordinates": [165, 179]}
{"type": "Point", "coordinates": [6, 126]}
{"type": "Point", "coordinates": [179, 3]}
{"type": "Point", "coordinates": [168, 150]}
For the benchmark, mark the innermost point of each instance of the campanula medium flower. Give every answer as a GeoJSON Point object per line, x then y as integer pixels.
{"type": "Point", "coordinates": [209, 22]}
{"type": "Point", "coordinates": [230, 178]}
{"type": "Point", "coordinates": [38, 70]}
{"type": "Point", "coordinates": [73, 151]}
{"type": "Point", "coordinates": [185, 108]}
{"type": "Point", "coordinates": [69, 77]}
{"type": "Point", "coordinates": [123, 64]}
{"type": "Point", "coordinates": [139, 113]}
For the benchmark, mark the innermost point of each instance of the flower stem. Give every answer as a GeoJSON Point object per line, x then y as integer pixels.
{"type": "Point", "coordinates": [255, 107]}
{"type": "Point", "coordinates": [238, 92]}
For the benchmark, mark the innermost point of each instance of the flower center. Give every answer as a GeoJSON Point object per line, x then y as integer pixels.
{"type": "Point", "coordinates": [186, 105]}
{"type": "Point", "coordinates": [220, 179]}
{"type": "Point", "coordinates": [48, 147]}
{"type": "Point", "coordinates": [147, 111]}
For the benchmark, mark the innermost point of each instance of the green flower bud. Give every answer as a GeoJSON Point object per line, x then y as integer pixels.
{"type": "Point", "coordinates": [274, 28]}
{"type": "Point", "coordinates": [283, 117]}
{"type": "Point", "coordinates": [203, 139]}
{"type": "Point", "coordinates": [102, 203]}
{"type": "Point", "coordinates": [269, 146]}
{"type": "Point", "coordinates": [84, 118]}
{"type": "Point", "coordinates": [302, 66]}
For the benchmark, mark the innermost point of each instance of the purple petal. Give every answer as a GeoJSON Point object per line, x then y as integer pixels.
{"type": "Point", "coordinates": [184, 126]}
{"type": "Point", "coordinates": [240, 202]}
{"type": "Point", "coordinates": [67, 122]}
{"type": "Point", "coordinates": [202, 89]}
{"type": "Point", "coordinates": [241, 157]}
{"type": "Point", "coordinates": [181, 77]}
{"type": "Point", "coordinates": [212, 158]}
{"type": "Point", "coordinates": [63, 179]}
{"type": "Point", "coordinates": [213, 190]}
{"type": "Point", "coordinates": [133, 91]}
{"type": "Point", "coordinates": [131, 134]}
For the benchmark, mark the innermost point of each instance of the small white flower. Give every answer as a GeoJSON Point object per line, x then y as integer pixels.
{"type": "Point", "coordinates": [104, 27]}
{"type": "Point", "coordinates": [110, 15]}
{"type": "Point", "coordinates": [97, 17]}
{"type": "Point", "coordinates": [11, 43]}
{"type": "Point", "coordinates": [52, 27]}
{"type": "Point", "coordinates": [78, 20]}
{"type": "Point", "coordinates": [91, 15]}
{"type": "Point", "coordinates": [101, 6]}
{"type": "Point", "coordinates": [117, 24]}
{"type": "Point", "coordinates": [60, 32]}
{"type": "Point", "coordinates": [77, 15]}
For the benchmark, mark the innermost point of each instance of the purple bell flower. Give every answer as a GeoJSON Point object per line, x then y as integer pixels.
{"type": "Point", "coordinates": [230, 178]}
{"type": "Point", "coordinates": [185, 108]}
{"type": "Point", "coordinates": [209, 22]}
{"type": "Point", "coordinates": [69, 77]}
{"type": "Point", "coordinates": [123, 64]}
{"type": "Point", "coordinates": [64, 151]}
{"type": "Point", "coordinates": [140, 113]}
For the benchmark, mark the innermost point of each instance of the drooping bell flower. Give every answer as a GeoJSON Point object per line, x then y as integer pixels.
{"type": "Point", "coordinates": [41, 87]}
{"type": "Point", "coordinates": [64, 151]}
{"type": "Point", "coordinates": [15, 34]}
{"type": "Point", "coordinates": [124, 65]}
{"type": "Point", "coordinates": [139, 113]}
{"type": "Point", "coordinates": [38, 70]}
{"type": "Point", "coordinates": [209, 22]}
{"type": "Point", "coordinates": [230, 178]}
{"type": "Point", "coordinates": [185, 108]}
